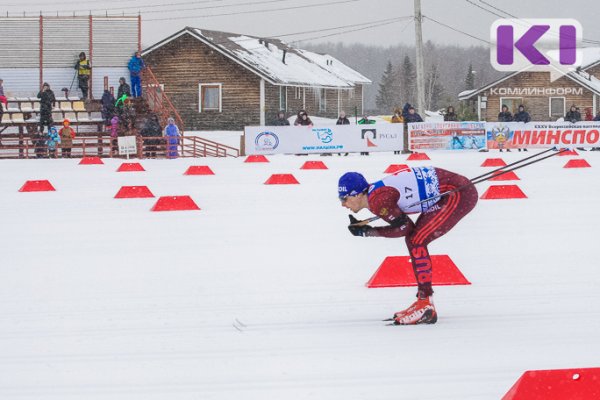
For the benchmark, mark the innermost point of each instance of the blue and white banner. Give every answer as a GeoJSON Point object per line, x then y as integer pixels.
{"type": "Point", "coordinates": [446, 136]}
{"type": "Point", "coordinates": [323, 139]}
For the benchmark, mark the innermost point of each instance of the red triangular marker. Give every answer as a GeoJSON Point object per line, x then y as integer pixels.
{"type": "Point", "coordinates": [37, 186]}
{"type": "Point", "coordinates": [282, 179]}
{"type": "Point", "coordinates": [577, 163]}
{"type": "Point", "coordinates": [314, 165]}
{"type": "Point", "coordinates": [557, 384]}
{"type": "Point", "coordinates": [418, 157]}
{"type": "Point", "coordinates": [133, 192]}
{"type": "Point", "coordinates": [175, 203]}
{"type": "Point", "coordinates": [496, 192]}
{"type": "Point", "coordinates": [397, 271]}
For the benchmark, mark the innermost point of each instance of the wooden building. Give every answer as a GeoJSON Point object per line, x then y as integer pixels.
{"type": "Point", "coordinates": [45, 49]}
{"type": "Point", "coordinates": [543, 99]}
{"type": "Point", "coordinates": [225, 81]}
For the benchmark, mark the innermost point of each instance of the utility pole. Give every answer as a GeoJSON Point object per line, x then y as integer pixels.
{"type": "Point", "coordinates": [419, 61]}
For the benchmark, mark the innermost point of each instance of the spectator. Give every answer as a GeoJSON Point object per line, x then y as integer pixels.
{"type": "Point", "coordinates": [3, 100]}
{"type": "Point", "coordinates": [588, 114]}
{"type": "Point", "coordinates": [397, 118]}
{"type": "Point", "coordinates": [135, 66]}
{"type": "Point", "coordinates": [342, 120]}
{"type": "Point", "coordinates": [67, 134]}
{"type": "Point", "coordinates": [450, 114]}
{"type": "Point", "coordinates": [303, 119]}
{"type": "Point", "coordinates": [280, 120]}
{"type": "Point", "coordinates": [114, 133]}
{"type": "Point", "coordinates": [573, 115]}
{"type": "Point", "coordinates": [171, 133]}
{"type": "Point", "coordinates": [151, 129]}
{"type": "Point", "coordinates": [124, 89]}
{"type": "Point", "coordinates": [84, 69]}
{"type": "Point", "coordinates": [505, 115]}
{"type": "Point", "coordinates": [52, 142]}
{"type": "Point", "coordinates": [365, 121]}
{"type": "Point", "coordinates": [47, 101]}
{"type": "Point", "coordinates": [522, 116]}
{"type": "Point", "coordinates": [108, 107]}
{"type": "Point", "coordinates": [126, 115]}
{"type": "Point", "coordinates": [596, 118]}
{"type": "Point", "coordinates": [412, 116]}
{"type": "Point", "coordinates": [39, 144]}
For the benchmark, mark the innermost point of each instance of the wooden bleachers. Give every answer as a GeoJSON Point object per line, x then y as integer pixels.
{"type": "Point", "coordinates": [26, 110]}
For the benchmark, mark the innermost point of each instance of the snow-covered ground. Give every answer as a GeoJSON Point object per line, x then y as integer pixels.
{"type": "Point", "coordinates": [102, 299]}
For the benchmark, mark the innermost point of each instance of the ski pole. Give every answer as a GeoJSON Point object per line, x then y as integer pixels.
{"type": "Point", "coordinates": [476, 180]}
{"type": "Point", "coordinates": [72, 81]}
{"type": "Point", "coordinates": [514, 163]}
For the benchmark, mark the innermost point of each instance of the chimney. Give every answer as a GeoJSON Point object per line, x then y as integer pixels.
{"type": "Point", "coordinates": [283, 59]}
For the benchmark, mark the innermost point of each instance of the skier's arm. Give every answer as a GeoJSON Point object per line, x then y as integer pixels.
{"type": "Point", "coordinates": [383, 202]}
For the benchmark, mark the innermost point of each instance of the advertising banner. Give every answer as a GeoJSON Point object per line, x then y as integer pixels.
{"type": "Point", "coordinates": [446, 136]}
{"type": "Point", "coordinates": [514, 135]}
{"type": "Point", "coordinates": [323, 139]}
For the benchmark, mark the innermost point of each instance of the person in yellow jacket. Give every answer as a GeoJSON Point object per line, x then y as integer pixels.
{"type": "Point", "coordinates": [397, 118]}
{"type": "Point", "coordinates": [84, 70]}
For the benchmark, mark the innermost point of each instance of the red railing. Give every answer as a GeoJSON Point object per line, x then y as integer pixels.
{"type": "Point", "coordinates": [32, 147]}
{"type": "Point", "coordinates": [158, 101]}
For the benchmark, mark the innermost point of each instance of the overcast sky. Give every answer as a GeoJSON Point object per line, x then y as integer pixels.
{"type": "Point", "coordinates": [380, 22]}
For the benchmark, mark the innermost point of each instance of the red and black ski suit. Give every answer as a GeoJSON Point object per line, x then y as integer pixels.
{"type": "Point", "coordinates": [393, 198]}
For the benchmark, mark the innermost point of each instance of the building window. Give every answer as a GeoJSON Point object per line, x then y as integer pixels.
{"type": "Point", "coordinates": [322, 99]}
{"type": "Point", "coordinates": [297, 93]}
{"type": "Point", "coordinates": [557, 107]}
{"type": "Point", "coordinates": [512, 103]}
{"type": "Point", "coordinates": [283, 98]}
{"type": "Point", "coordinates": [351, 93]}
{"type": "Point", "coordinates": [210, 97]}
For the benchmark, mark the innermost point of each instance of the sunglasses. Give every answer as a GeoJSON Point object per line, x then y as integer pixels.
{"type": "Point", "coordinates": [346, 197]}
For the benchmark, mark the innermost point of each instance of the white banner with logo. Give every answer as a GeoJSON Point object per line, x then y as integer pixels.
{"type": "Point", "coordinates": [514, 135]}
{"type": "Point", "coordinates": [446, 136]}
{"type": "Point", "coordinates": [323, 139]}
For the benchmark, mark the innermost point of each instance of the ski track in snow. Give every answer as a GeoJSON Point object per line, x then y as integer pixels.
{"type": "Point", "coordinates": [261, 294]}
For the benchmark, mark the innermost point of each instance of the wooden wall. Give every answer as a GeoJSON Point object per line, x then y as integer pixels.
{"type": "Point", "coordinates": [182, 64]}
{"type": "Point", "coordinates": [537, 106]}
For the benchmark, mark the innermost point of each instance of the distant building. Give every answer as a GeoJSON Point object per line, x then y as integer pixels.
{"type": "Point", "coordinates": [224, 81]}
{"type": "Point", "coordinates": [543, 99]}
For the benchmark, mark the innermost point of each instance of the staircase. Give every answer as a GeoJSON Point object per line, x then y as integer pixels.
{"type": "Point", "coordinates": [157, 101]}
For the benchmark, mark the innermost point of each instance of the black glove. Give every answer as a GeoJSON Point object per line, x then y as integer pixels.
{"type": "Point", "coordinates": [358, 230]}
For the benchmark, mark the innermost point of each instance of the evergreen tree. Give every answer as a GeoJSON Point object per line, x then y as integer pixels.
{"type": "Point", "coordinates": [387, 96]}
{"type": "Point", "coordinates": [470, 79]}
{"type": "Point", "coordinates": [407, 81]}
{"type": "Point", "coordinates": [434, 89]}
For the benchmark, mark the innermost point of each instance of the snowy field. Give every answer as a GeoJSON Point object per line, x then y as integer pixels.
{"type": "Point", "coordinates": [102, 299]}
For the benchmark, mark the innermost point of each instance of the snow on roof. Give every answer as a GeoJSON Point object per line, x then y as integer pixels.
{"type": "Point", "coordinates": [265, 57]}
{"type": "Point", "coordinates": [587, 80]}
{"type": "Point", "coordinates": [335, 66]}
{"type": "Point", "coordinates": [591, 56]}
{"type": "Point", "coordinates": [466, 93]}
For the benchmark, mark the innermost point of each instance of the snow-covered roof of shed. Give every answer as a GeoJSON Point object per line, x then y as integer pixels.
{"type": "Point", "coordinates": [265, 57]}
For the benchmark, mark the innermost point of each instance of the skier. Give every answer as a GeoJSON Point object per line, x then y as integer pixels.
{"type": "Point", "coordinates": [395, 196]}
